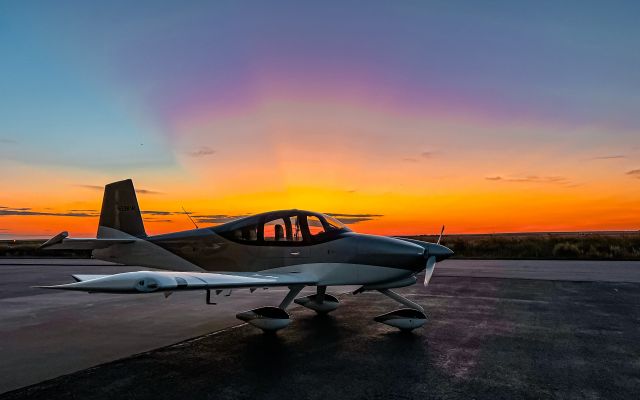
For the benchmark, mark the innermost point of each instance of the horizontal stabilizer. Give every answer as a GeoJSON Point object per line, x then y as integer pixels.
{"type": "Point", "coordinates": [60, 242]}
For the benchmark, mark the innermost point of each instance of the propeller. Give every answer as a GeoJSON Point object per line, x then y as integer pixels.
{"type": "Point", "coordinates": [431, 261]}
{"type": "Point", "coordinates": [431, 264]}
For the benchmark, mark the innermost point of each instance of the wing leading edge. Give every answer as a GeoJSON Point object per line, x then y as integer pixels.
{"type": "Point", "coordinates": [168, 281]}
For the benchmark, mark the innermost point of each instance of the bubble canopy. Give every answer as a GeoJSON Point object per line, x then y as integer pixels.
{"type": "Point", "coordinates": [285, 227]}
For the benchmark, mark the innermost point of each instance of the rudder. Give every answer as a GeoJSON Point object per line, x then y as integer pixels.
{"type": "Point", "coordinates": [120, 210]}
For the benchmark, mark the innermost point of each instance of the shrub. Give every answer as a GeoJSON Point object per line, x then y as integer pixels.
{"type": "Point", "coordinates": [566, 250]}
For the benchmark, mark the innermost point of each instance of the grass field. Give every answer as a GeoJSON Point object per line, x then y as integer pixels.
{"type": "Point", "coordinates": [567, 245]}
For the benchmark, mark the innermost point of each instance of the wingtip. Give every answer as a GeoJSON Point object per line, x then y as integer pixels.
{"type": "Point", "coordinates": [66, 286]}
{"type": "Point", "coordinates": [59, 238]}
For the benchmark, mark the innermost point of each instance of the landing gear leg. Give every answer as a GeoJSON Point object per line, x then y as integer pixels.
{"type": "Point", "coordinates": [321, 291]}
{"type": "Point", "coordinates": [293, 292]}
{"type": "Point", "coordinates": [402, 300]}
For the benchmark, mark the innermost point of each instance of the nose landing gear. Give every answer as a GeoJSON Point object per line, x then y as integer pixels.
{"type": "Point", "coordinates": [405, 319]}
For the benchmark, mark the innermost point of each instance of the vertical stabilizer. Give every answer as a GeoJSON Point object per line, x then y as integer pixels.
{"type": "Point", "coordinates": [120, 210]}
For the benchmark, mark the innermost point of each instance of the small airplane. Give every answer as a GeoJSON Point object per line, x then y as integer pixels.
{"type": "Point", "coordinates": [287, 248]}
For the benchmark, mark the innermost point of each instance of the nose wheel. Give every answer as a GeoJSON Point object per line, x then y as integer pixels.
{"type": "Point", "coordinates": [405, 319]}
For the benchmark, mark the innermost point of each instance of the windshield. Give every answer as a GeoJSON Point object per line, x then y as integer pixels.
{"type": "Point", "coordinates": [334, 224]}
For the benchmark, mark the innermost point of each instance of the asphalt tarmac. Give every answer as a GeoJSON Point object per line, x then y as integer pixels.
{"type": "Point", "coordinates": [552, 335]}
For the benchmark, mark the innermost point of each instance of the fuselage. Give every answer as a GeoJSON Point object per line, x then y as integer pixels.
{"type": "Point", "coordinates": [292, 241]}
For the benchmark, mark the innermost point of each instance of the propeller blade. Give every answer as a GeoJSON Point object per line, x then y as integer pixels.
{"type": "Point", "coordinates": [440, 237]}
{"type": "Point", "coordinates": [428, 271]}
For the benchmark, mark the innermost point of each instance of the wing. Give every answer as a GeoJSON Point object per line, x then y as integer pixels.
{"type": "Point", "coordinates": [169, 281]}
{"type": "Point", "coordinates": [60, 242]}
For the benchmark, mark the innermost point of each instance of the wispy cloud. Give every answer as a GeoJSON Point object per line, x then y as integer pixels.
{"type": "Point", "coordinates": [92, 187]}
{"type": "Point", "coordinates": [101, 188]}
{"type": "Point", "coordinates": [530, 179]}
{"type": "Point", "coordinates": [425, 155]}
{"type": "Point", "coordinates": [635, 173]}
{"type": "Point", "coordinates": [157, 212]}
{"type": "Point", "coordinates": [215, 218]}
{"type": "Point", "coordinates": [147, 191]}
{"type": "Point", "coordinates": [25, 211]}
{"type": "Point", "coordinates": [609, 157]}
{"type": "Point", "coordinates": [7, 141]}
{"type": "Point", "coordinates": [350, 219]}
{"type": "Point", "coordinates": [202, 152]}
{"type": "Point", "coordinates": [354, 215]}
{"type": "Point", "coordinates": [200, 218]}
{"type": "Point", "coordinates": [429, 154]}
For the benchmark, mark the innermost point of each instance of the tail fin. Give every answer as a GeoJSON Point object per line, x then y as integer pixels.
{"type": "Point", "coordinates": [120, 210]}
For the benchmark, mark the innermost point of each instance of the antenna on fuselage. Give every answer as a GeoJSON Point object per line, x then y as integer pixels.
{"type": "Point", "coordinates": [190, 219]}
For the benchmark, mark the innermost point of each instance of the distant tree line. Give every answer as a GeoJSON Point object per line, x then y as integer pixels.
{"type": "Point", "coordinates": [30, 248]}
{"type": "Point", "coordinates": [569, 246]}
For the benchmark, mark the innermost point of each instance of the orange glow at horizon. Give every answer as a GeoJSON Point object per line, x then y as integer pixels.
{"type": "Point", "coordinates": [324, 161]}
{"type": "Point", "coordinates": [462, 211]}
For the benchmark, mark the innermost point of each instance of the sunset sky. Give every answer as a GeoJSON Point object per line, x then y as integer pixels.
{"type": "Point", "coordinates": [492, 116]}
